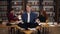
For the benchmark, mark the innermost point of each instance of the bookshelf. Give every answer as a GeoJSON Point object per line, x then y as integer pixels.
{"type": "Point", "coordinates": [17, 5]}
{"type": "Point", "coordinates": [3, 10]}
{"type": "Point", "coordinates": [48, 6]}
{"type": "Point", "coordinates": [37, 5]}
{"type": "Point", "coordinates": [21, 4]}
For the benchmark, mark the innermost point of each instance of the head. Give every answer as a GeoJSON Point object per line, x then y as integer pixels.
{"type": "Point", "coordinates": [21, 11]}
{"type": "Point", "coordinates": [43, 12]}
{"type": "Point", "coordinates": [12, 10]}
{"type": "Point", "coordinates": [28, 7]}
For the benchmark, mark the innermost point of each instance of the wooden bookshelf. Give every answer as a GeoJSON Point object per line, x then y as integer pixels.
{"type": "Point", "coordinates": [48, 6]}
{"type": "Point", "coordinates": [57, 11]}
{"type": "Point", "coordinates": [3, 10]}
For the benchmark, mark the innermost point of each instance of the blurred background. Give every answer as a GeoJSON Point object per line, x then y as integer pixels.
{"type": "Point", "coordinates": [52, 8]}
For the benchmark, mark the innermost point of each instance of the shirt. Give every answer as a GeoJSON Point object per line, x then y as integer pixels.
{"type": "Point", "coordinates": [28, 19]}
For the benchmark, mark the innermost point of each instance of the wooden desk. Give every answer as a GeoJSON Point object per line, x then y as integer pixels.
{"type": "Point", "coordinates": [27, 31]}
{"type": "Point", "coordinates": [6, 29]}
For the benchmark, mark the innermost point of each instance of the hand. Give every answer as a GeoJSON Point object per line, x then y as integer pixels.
{"type": "Point", "coordinates": [21, 21]}
{"type": "Point", "coordinates": [38, 21]}
{"type": "Point", "coordinates": [17, 22]}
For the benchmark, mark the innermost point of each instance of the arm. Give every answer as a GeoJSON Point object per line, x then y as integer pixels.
{"type": "Point", "coordinates": [46, 25]}
{"type": "Point", "coordinates": [17, 27]}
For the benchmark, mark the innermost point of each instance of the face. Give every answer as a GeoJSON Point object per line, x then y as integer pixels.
{"type": "Point", "coordinates": [12, 11]}
{"type": "Point", "coordinates": [28, 8]}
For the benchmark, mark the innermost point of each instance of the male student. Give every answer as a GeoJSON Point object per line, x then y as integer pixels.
{"type": "Point", "coordinates": [28, 17]}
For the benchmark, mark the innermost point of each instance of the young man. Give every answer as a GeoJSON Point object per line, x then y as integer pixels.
{"type": "Point", "coordinates": [28, 18]}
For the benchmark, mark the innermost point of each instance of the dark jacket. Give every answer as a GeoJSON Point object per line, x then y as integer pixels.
{"type": "Point", "coordinates": [32, 17]}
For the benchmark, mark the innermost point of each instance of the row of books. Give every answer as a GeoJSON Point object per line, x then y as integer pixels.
{"type": "Point", "coordinates": [3, 3]}
{"type": "Point", "coordinates": [48, 8]}
{"type": "Point", "coordinates": [21, 3]}
{"type": "Point", "coordinates": [51, 14]}
{"type": "Point", "coordinates": [4, 14]}
{"type": "Point", "coordinates": [17, 3]}
{"type": "Point", "coordinates": [17, 7]}
{"type": "Point", "coordinates": [34, 2]}
{"type": "Point", "coordinates": [3, 10]}
{"type": "Point", "coordinates": [48, 3]}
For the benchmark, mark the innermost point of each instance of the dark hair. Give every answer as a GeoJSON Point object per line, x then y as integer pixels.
{"type": "Point", "coordinates": [11, 9]}
{"type": "Point", "coordinates": [44, 13]}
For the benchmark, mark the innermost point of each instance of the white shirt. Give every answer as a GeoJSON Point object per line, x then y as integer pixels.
{"type": "Point", "coordinates": [28, 20]}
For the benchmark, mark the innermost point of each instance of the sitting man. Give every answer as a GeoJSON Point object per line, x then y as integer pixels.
{"type": "Point", "coordinates": [28, 18]}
